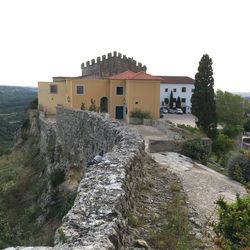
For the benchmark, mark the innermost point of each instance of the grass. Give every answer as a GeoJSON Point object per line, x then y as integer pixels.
{"type": "Point", "coordinates": [191, 132]}
{"type": "Point", "coordinates": [136, 220]}
{"type": "Point", "coordinates": [217, 167]}
{"type": "Point", "coordinates": [168, 226]}
{"type": "Point", "coordinates": [174, 232]}
{"type": "Point", "coordinates": [21, 185]}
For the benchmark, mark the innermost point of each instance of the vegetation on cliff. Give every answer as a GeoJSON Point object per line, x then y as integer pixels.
{"type": "Point", "coordinates": [20, 187]}
{"type": "Point", "coordinates": [24, 185]}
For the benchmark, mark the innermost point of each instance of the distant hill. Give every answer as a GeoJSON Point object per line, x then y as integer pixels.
{"type": "Point", "coordinates": [13, 103]}
{"type": "Point", "coordinates": [243, 94]}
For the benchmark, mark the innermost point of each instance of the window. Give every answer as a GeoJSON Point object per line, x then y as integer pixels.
{"type": "Point", "coordinates": [166, 90]}
{"type": "Point", "coordinates": [53, 89]}
{"type": "Point", "coordinates": [174, 90]}
{"type": "Point", "coordinates": [192, 90]}
{"type": "Point", "coordinates": [183, 89]}
{"type": "Point", "coordinates": [79, 89]}
{"type": "Point", "coordinates": [183, 100]}
{"type": "Point", "coordinates": [119, 90]}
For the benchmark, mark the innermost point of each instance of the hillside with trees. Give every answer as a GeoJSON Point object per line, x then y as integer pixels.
{"type": "Point", "coordinates": [13, 103]}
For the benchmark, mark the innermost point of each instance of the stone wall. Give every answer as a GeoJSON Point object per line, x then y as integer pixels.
{"type": "Point", "coordinates": [165, 145]}
{"type": "Point", "coordinates": [107, 190]}
{"type": "Point", "coordinates": [110, 65]}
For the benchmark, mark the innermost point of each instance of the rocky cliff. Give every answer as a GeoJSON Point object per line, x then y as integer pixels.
{"type": "Point", "coordinates": [104, 193]}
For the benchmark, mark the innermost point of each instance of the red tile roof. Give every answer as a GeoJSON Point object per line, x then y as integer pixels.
{"type": "Point", "coordinates": [130, 75]}
{"type": "Point", "coordinates": [177, 79]}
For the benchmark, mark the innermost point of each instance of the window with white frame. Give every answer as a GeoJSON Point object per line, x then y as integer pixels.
{"type": "Point", "coordinates": [119, 90]}
{"type": "Point", "coordinates": [183, 89]}
{"type": "Point", "coordinates": [174, 90]}
{"type": "Point", "coordinates": [183, 100]}
{"type": "Point", "coordinates": [79, 89]}
{"type": "Point", "coordinates": [53, 89]}
{"type": "Point", "coordinates": [166, 90]}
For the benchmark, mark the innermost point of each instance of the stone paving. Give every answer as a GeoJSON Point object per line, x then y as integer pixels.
{"type": "Point", "coordinates": [149, 132]}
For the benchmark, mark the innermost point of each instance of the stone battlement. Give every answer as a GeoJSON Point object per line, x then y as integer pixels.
{"type": "Point", "coordinates": [109, 65]}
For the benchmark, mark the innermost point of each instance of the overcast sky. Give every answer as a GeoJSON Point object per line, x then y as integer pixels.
{"type": "Point", "coordinates": [45, 38]}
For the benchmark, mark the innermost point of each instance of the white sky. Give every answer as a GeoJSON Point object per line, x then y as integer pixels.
{"type": "Point", "coordinates": [45, 38]}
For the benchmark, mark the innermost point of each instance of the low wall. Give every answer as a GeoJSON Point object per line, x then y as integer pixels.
{"type": "Point", "coordinates": [163, 125]}
{"type": "Point", "coordinates": [161, 145]}
{"type": "Point", "coordinates": [107, 190]}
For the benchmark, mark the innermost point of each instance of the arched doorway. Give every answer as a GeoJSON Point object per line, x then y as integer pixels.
{"type": "Point", "coordinates": [104, 104]}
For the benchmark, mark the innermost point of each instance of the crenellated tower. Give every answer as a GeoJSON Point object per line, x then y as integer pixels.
{"type": "Point", "coordinates": [109, 65]}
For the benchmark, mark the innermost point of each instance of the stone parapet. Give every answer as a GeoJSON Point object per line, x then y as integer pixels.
{"type": "Point", "coordinates": [107, 190]}
{"type": "Point", "coordinates": [106, 193]}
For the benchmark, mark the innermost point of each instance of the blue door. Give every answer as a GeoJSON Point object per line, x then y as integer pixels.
{"type": "Point", "coordinates": [119, 112]}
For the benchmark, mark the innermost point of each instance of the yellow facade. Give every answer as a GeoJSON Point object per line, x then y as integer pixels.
{"type": "Point", "coordinates": [144, 95]}
{"type": "Point", "coordinates": [117, 97]}
{"type": "Point", "coordinates": [47, 100]}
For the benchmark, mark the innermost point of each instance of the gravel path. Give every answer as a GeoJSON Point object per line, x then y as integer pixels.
{"type": "Point", "coordinates": [202, 185]}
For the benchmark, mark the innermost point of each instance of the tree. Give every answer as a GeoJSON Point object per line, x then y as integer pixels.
{"type": "Point", "coordinates": [166, 101]}
{"type": "Point", "coordinates": [178, 102]}
{"type": "Point", "coordinates": [230, 112]}
{"type": "Point", "coordinates": [203, 101]}
{"type": "Point", "coordinates": [247, 125]}
{"type": "Point", "coordinates": [171, 102]}
{"type": "Point", "coordinates": [221, 145]}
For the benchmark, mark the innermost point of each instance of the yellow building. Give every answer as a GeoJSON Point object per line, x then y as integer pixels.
{"type": "Point", "coordinates": [117, 95]}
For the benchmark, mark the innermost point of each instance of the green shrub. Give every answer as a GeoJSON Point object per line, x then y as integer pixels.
{"type": "Point", "coordinates": [188, 128]}
{"type": "Point", "coordinates": [62, 236]}
{"type": "Point", "coordinates": [30, 213]}
{"type": "Point", "coordinates": [57, 177]}
{"type": "Point", "coordinates": [135, 221]}
{"type": "Point", "coordinates": [221, 145]}
{"type": "Point", "coordinates": [83, 106]}
{"type": "Point", "coordinates": [234, 223]}
{"type": "Point", "coordinates": [232, 130]}
{"type": "Point", "coordinates": [34, 104]}
{"type": "Point", "coordinates": [247, 125]}
{"type": "Point", "coordinates": [92, 106]}
{"type": "Point", "coordinates": [64, 206]}
{"type": "Point", "coordinates": [238, 168]}
{"type": "Point", "coordinates": [195, 150]}
{"type": "Point", "coordinates": [137, 113]}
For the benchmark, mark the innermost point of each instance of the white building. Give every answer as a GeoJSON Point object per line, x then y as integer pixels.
{"type": "Point", "coordinates": [181, 86]}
